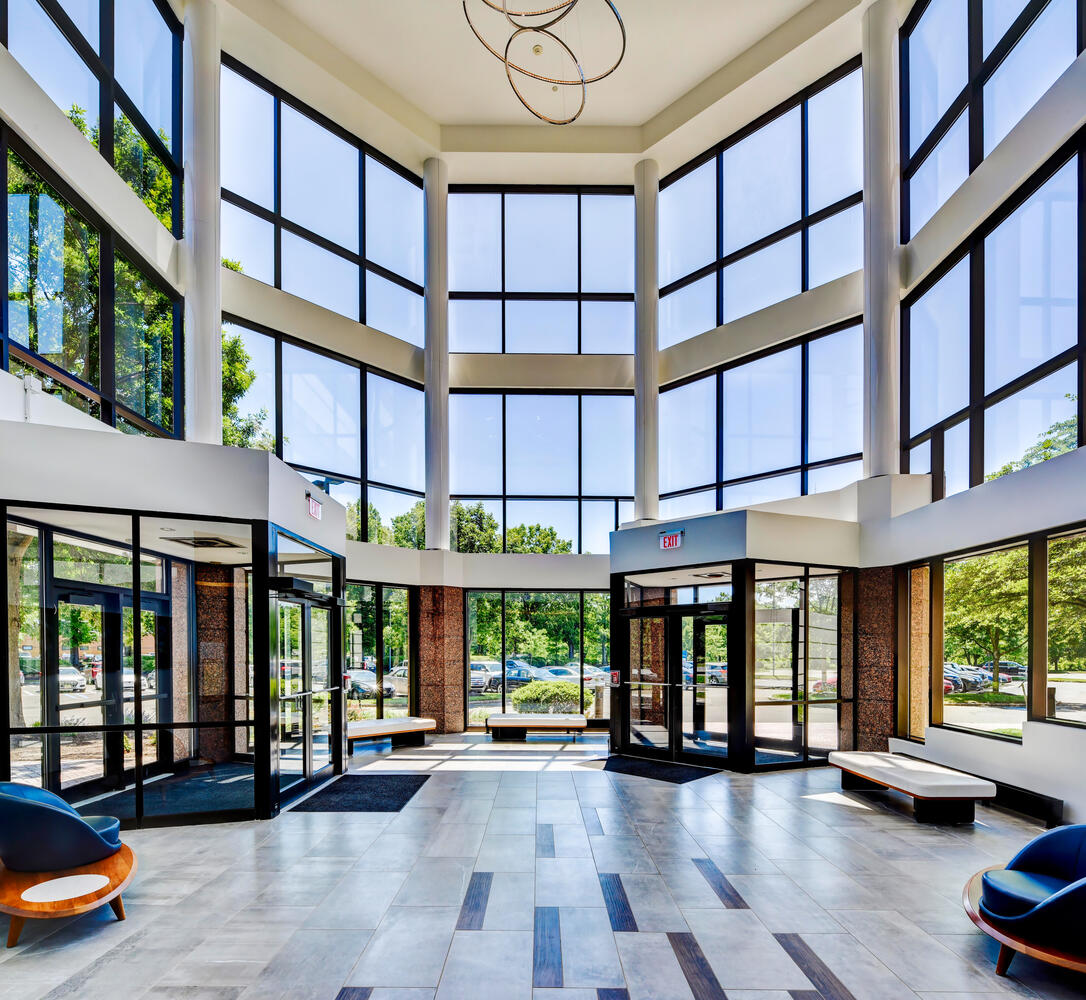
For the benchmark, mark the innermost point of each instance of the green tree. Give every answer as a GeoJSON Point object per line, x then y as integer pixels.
{"type": "Point", "coordinates": [409, 528]}
{"type": "Point", "coordinates": [76, 629]}
{"type": "Point", "coordinates": [145, 173]}
{"type": "Point", "coordinates": [535, 538]}
{"type": "Point", "coordinates": [240, 430]}
{"type": "Point", "coordinates": [23, 568]}
{"type": "Point", "coordinates": [1061, 437]}
{"type": "Point", "coordinates": [473, 528]}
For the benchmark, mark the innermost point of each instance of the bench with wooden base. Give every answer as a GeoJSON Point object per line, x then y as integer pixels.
{"type": "Point", "coordinates": [404, 732]}
{"type": "Point", "coordinates": [1008, 943]}
{"type": "Point", "coordinates": [940, 794]}
{"type": "Point", "coordinates": [514, 726]}
{"type": "Point", "coordinates": [45, 895]}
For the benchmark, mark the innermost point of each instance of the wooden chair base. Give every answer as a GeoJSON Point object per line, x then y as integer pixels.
{"type": "Point", "coordinates": [118, 869]}
{"type": "Point", "coordinates": [1009, 945]}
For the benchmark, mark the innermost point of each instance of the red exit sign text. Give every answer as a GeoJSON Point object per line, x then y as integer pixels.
{"type": "Point", "coordinates": [671, 539]}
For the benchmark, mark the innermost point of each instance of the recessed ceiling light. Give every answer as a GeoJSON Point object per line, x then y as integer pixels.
{"type": "Point", "coordinates": [537, 50]}
{"type": "Point", "coordinates": [709, 576]}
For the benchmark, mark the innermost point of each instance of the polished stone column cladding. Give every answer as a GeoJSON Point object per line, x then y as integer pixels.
{"type": "Point", "coordinates": [441, 657]}
{"type": "Point", "coordinates": [876, 641]}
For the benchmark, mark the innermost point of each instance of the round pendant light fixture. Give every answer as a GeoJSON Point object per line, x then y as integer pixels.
{"type": "Point", "coordinates": [536, 59]}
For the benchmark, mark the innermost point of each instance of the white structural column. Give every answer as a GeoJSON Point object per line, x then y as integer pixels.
{"type": "Point", "coordinates": [203, 257]}
{"type": "Point", "coordinates": [646, 360]}
{"type": "Point", "coordinates": [882, 251]}
{"type": "Point", "coordinates": [435, 184]}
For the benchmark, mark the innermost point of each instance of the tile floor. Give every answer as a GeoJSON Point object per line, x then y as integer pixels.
{"type": "Point", "coordinates": [518, 872]}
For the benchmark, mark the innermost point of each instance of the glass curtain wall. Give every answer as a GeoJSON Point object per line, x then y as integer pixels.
{"type": "Point", "coordinates": [534, 272]}
{"type": "Point", "coordinates": [992, 342]}
{"type": "Point", "coordinates": [321, 412]}
{"type": "Point", "coordinates": [114, 69]}
{"type": "Point", "coordinates": [539, 472]}
{"type": "Point", "coordinates": [969, 73]}
{"type": "Point", "coordinates": [379, 679]}
{"type": "Point", "coordinates": [310, 208]}
{"type": "Point", "coordinates": [144, 721]}
{"type": "Point", "coordinates": [786, 423]}
{"type": "Point", "coordinates": [82, 314]}
{"type": "Point", "coordinates": [538, 651]}
{"type": "Point", "coordinates": [772, 211]}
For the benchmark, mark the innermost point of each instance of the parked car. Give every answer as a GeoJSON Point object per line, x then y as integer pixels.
{"type": "Point", "coordinates": [479, 678]}
{"type": "Point", "coordinates": [565, 674]}
{"type": "Point", "coordinates": [494, 673]}
{"type": "Point", "coordinates": [72, 680]}
{"type": "Point", "coordinates": [128, 680]}
{"type": "Point", "coordinates": [717, 673]}
{"type": "Point", "coordinates": [948, 687]}
{"type": "Point", "coordinates": [519, 676]}
{"type": "Point", "coordinates": [1017, 671]}
{"type": "Point", "coordinates": [968, 678]}
{"type": "Point", "coordinates": [363, 684]}
{"type": "Point", "coordinates": [400, 679]}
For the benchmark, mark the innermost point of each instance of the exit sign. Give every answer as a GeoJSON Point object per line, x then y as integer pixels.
{"type": "Point", "coordinates": [671, 539]}
{"type": "Point", "coordinates": [314, 506]}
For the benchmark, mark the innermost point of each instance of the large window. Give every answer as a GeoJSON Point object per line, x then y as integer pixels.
{"type": "Point", "coordinates": [786, 423]}
{"type": "Point", "coordinates": [114, 68]}
{"type": "Point", "coordinates": [991, 341]}
{"type": "Point", "coordinates": [538, 651]}
{"type": "Point", "coordinates": [82, 314]}
{"type": "Point", "coordinates": [969, 72]}
{"type": "Point", "coordinates": [321, 413]}
{"type": "Point", "coordinates": [539, 472]}
{"type": "Point", "coordinates": [311, 209]}
{"type": "Point", "coordinates": [379, 681]}
{"type": "Point", "coordinates": [772, 211]}
{"type": "Point", "coordinates": [541, 273]}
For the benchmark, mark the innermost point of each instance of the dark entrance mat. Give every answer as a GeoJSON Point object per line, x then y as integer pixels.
{"type": "Point", "coordinates": [378, 793]}
{"type": "Point", "coordinates": [661, 770]}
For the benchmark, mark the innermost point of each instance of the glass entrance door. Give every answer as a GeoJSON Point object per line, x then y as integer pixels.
{"type": "Point", "coordinates": [705, 685]}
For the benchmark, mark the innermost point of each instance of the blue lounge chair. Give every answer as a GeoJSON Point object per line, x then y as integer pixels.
{"type": "Point", "coordinates": [1039, 899]}
{"type": "Point", "coordinates": [40, 832]}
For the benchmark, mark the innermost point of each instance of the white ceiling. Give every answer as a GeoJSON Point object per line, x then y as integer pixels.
{"type": "Point", "coordinates": [425, 51]}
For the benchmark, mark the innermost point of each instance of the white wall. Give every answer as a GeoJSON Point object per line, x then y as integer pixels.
{"type": "Point", "coordinates": [31, 405]}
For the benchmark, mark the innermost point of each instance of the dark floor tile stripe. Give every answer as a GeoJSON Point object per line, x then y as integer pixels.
{"type": "Point", "coordinates": [699, 973]}
{"type": "Point", "coordinates": [547, 971]}
{"type": "Point", "coordinates": [355, 993]}
{"type": "Point", "coordinates": [544, 840]}
{"type": "Point", "coordinates": [592, 821]}
{"type": "Point", "coordinates": [608, 993]}
{"type": "Point", "coordinates": [805, 995]}
{"type": "Point", "coordinates": [618, 905]}
{"type": "Point", "coordinates": [727, 892]}
{"type": "Point", "coordinates": [823, 980]}
{"type": "Point", "coordinates": [473, 910]}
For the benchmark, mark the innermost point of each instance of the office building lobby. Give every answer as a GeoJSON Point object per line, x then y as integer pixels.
{"type": "Point", "coordinates": [577, 500]}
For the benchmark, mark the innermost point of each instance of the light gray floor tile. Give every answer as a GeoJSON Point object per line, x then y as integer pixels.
{"type": "Point", "coordinates": [506, 853]}
{"type": "Point", "coordinates": [359, 901]}
{"type": "Point", "coordinates": [589, 955]}
{"type": "Point", "coordinates": [567, 882]}
{"type": "Point", "coordinates": [652, 971]}
{"type": "Point", "coordinates": [570, 841]}
{"type": "Point", "coordinates": [513, 820]}
{"type": "Point", "coordinates": [621, 854]}
{"type": "Point", "coordinates": [392, 852]}
{"type": "Point", "coordinates": [511, 904]}
{"type": "Point", "coordinates": [488, 965]}
{"type": "Point", "coordinates": [574, 994]}
{"type": "Point", "coordinates": [781, 905]}
{"type": "Point", "coordinates": [436, 882]}
{"type": "Point", "coordinates": [408, 948]}
{"type": "Point", "coordinates": [468, 811]}
{"type": "Point", "coordinates": [859, 970]}
{"type": "Point", "coordinates": [455, 840]}
{"type": "Point", "coordinates": [688, 887]}
{"type": "Point", "coordinates": [652, 905]}
{"type": "Point", "coordinates": [390, 993]}
{"type": "Point", "coordinates": [742, 953]}
{"type": "Point", "coordinates": [559, 811]}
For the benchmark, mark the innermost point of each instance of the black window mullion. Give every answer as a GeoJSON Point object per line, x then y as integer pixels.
{"type": "Point", "coordinates": [105, 80]}
{"type": "Point", "coordinates": [363, 423]}
{"type": "Point", "coordinates": [580, 291]}
{"type": "Point", "coordinates": [976, 85]}
{"type": "Point", "coordinates": [719, 246]}
{"type": "Point", "coordinates": [4, 31]}
{"type": "Point", "coordinates": [277, 202]}
{"type": "Point", "coordinates": [278, 398]}
{"type": "Point", "coordinates": [804, 185]}
{"type": "Point", "coordinates": [976, 365]}
{"type": "Point", "coordinates": [505, 493]}
{"type": "Point", "coordinates": [804, 420]}
{"type": "Point", "coordinates": [502, 223]}
{"type": "Point", "coordinates": [178, 429]}
{"type": "Point", "coordinates": [362, 236]}
{"type": "Point", "coordinates": [107, 299]}
{"type": "Point", "coordinates": [720, 440]}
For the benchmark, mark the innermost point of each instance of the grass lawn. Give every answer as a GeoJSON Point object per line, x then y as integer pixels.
{"type": "Point", "coordinates": [984, 698]}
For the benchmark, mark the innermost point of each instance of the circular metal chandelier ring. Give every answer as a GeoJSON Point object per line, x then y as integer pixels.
{"type": "Point", "coordinates": [510, 15]}
{"type": "Point", "coordinates": [510, 66]}
{"type": "Point", "coordinates": [560, 82]}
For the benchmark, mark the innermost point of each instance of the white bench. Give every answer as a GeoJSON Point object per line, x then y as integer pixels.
{"type": "Point", "coordinates": [940, 794]}
{"type": "Point", "coordinates": [509, 726]}
{"type": "Point", "coordinates": [404, 732]}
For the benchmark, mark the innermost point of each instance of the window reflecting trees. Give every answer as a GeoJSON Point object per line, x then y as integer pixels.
{"type": "Point", "coordinates": [541, 273]}
{"type": "Point", "coordinates": [786, 423]}
{"type": "Point", "coordinates": [326, 217]}
{"type": "Point", "coordinates": [773, 211]}
{"type": "Point", "coordinates": [379, 681]}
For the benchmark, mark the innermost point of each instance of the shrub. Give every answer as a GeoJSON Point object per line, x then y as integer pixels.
{"type": "Point", "coordinates": [548, 697]}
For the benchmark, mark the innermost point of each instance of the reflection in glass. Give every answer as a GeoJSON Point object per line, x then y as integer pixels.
{"type": "Point", "coordinates": [141, 169]}
{"type": "Point", "coordinates": [346, 493]}
{"type": "Point", "coordinates": [1032, 426]}
{"type": "Point", "coordinates": [319, 179]}
{"type": "Point", "coordinates": [248, 401]}
{"type": "Point", "coordinates": [1031, 281]}
{"type": "Point", "coordinates": [484, 628]}
{"type": "Point", "coordinates": [143, 62]}
{"type": "Point", "coordinates": [397, 519]}
{"type": "Point", "coordinates": [143, 334]}
{"type": "Point", "coordinates": [939, 350]}
{"type": "Point", "coordinates": [320, 411]}
{"type": "Point", "coordinates": [476, 525]}
{"type": "Point", "coordinates": [762, 415]}
{"type": "Point", "coordinates": [541, 526]}
{"type": "Point", "coordinates": [1047, 48]}
{"type": "Point", "coordinates": [762, 182]}
{"type": "Point", "coordinates": [688, 311]}
{"type": "Point", "coordinates": [1065, 699]}
{"type": "Point", "coordinates": [688, 434]}
{"type": "Point", "coordinates": [247, 131]}
{"type": "Point", "coordinates": [540, 327]}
